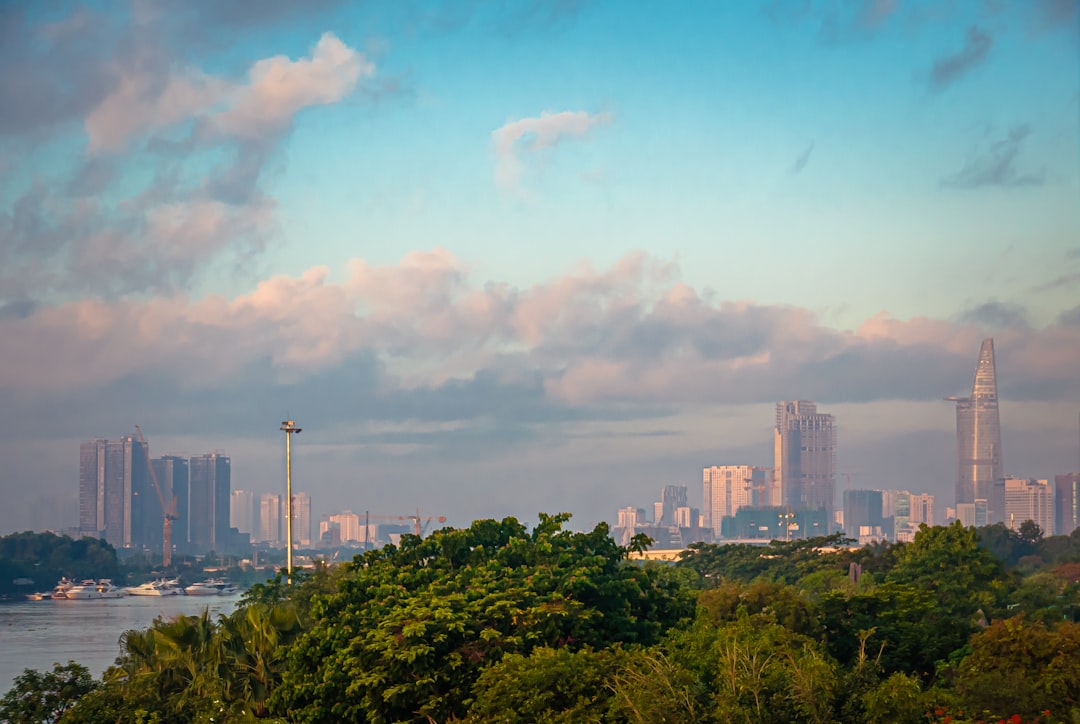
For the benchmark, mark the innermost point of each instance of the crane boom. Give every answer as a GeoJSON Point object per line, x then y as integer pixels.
{"type": "Point", "coordinates": [168, 511]}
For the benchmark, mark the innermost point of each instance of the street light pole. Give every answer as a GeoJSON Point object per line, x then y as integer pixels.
{"type": "Point", "coordinates": [289, 427]}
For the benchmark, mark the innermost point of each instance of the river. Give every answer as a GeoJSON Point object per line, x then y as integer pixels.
{"type": "Point", "coordinates": [36, 634]}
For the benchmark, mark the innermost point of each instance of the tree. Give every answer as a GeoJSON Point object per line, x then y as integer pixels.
{"type": "Point", "coordinates": [410, 628]}
{"type": "Point", "coordinates": [37, 697]}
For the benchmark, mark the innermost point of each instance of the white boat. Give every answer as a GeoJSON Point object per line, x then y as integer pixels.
{"type": "Point", "coordinates": [83, 591]}
{"type": "Point", "coordinates": [108, 589]}
{"type": "Point", "coordinates": [160, 587]}
{"type": "Point", "coordinates": [43, 596]}
{"type": "Point", "coordinates": [211, 587]}
{"type": "Point", "coordinates": [61, 589]}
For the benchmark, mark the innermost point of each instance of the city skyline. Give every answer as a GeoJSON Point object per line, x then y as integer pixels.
{"type": "Point", "coordinates": [503, 258]}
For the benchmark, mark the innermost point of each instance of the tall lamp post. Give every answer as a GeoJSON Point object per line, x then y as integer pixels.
{"type": "Point", "coordinates": [289, 427]}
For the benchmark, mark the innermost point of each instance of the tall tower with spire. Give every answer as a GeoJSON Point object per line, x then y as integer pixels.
{"type": "Point", "coordinates": [978, 438]}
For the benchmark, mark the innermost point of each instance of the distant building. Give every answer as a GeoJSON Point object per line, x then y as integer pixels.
{"type": "Point", "coordinates": [270, 519]}
{"type": "Point", "coordinates": [672, 497]}
{"type": "Point", "coordinates": [972, 514]}
{"type": "Point", "coordinates": [116, 501]}
{"type": "Point", "coordinates": [242, 511]}
{"type": "Point", "coordinates": [301, 527]}
{"type": "Point", "coordinates": [775, 523]}
{"type": "Point", "coordinates": [352, 531]}
{"type": "Point", "coordinates": [1029, 500]}
{"type": "Point", "coordinates": [174, 477]}
{"type": "Point", "coordinates": [978, 438]}
{"type": "Point", "coordinates": [921, 509]}
{"type": "Point", "coordinates": [1067, 503]}
{"type": "Point", "coordinates": [209, 496]}
{"type": "Point", "coordinates": [727, 488]}
{"type": "Point", "coordinates": [862, 508]}
{"type": "Point", "coordinates": [804, 447]}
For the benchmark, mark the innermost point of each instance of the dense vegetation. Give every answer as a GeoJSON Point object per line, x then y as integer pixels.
{"type": "Point", "coordinates": [497, 623]}
{"type": "Point", "coordinates": [44, 557]}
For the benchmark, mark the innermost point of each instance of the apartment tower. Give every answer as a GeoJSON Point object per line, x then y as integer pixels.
{"type": "Point", "coordinates": [804, 444]}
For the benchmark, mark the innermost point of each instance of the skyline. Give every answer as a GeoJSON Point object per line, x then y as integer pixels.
{"type": "Point", "coordinates": [502, 258]}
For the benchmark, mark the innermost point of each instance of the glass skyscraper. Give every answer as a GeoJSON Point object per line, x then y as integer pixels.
{"type": "Point", "coordinates": [805, 456]}
{"type": "Point", "coordinates": [978, 439]}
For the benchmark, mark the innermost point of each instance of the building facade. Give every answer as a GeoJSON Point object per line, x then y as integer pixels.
{"type": "Point", "coordinates": [116, 500]}
{"type": "Point", "coordinates": [804, 451]}
{"type": "Point", "coordinates": [172, 475]}
{"type": "Point", "coordinates": [242, 511]}
{"type": "Point", "coordinates": [301, 513]}
{"type": "Point", "coordinates": [978, 438]}
{"type": "Point", "coordinates": [1066, 503]}
{"type": "Point", "coordinates": [862, 509]}
{"type": "Point", "coordinates": [727, 488]}
{"type": "Point", "coordinates": [270, 519]}
{"type": "Point", "coordinates": [1029, 499]}
{"type": "Point", "coordinates": [210, 495]}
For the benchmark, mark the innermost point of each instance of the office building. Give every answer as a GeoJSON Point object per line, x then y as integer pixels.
{"type": "Point", "coordinates": [804, 449]}
{"type": "Point", "coordinates": [727, 488]}
{"type": "Point", "coordinates": [350, 526]}
{"type": "Point", "coordinates": [116, 500]}
{"type": "Point", "coordinates": [775, 523]}
{"type": "Point", "coordinates": [301, 513]}
{"type": "Point", "coordinates": [172, 475]}
{"type": "Point", "coordinates": [242, 514]}
{"type": "Point", "coordinates": [978, 438]}
{"type": "Point", "coordinates": [672, 497]}
{"type": "Point", "coordinates": [1029, 500]}
{"type": "Point", "coordinates": [270, 519]}
{"type": "Point", "coordinates": [1066, 503]}
{"type": "Point", "coordinates": [972, 514]}
{"type": "Point", "coordinates": [862, 509]}
{"type": "Point", "coordinates": [209, 495]}
{"type": "Point", "coordinates": [920, 509]}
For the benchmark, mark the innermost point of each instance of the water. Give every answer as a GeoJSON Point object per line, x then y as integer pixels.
{"type": "Point", "coordinates": [37, 634]}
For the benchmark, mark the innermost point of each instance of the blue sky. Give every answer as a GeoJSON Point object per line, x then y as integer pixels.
{"type": "Point", "coordinates": [452, 238]}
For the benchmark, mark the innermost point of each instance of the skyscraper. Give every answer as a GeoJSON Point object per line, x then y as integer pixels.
{"type": "Point", "coordinates": [804, 449]}
{"type": "Point", "coordinates": [862, 509]}
{"type": "Point", "coordinates": [172, 475]}
{"type": "Point", "coordinates": [672, 497]}
{"type": "Point", "coordinates": [301, 526]}
{"type": "Point", "coordinates": [1067, 503]}
{"type": "Point", "coordinates": [978, 438]}
{"type": "Point", "coordinates": [270, 519]}
{"type": "Point", "coordinates": [242, 511]}
{"type": "Point", "coordinates": [209, 501]}
{"type": "Point", "coordinates": [116, 501]}
{"type": "Point", "coordinates": [1029, 500]}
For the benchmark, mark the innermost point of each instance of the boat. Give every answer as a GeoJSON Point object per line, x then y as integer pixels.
{"type": "Point", "coordinates": [211, 587]}
{"type": "Point", "coordinates": [83, 591]}
{"type": "Point", "coordinates": [160, 587]}
{"type": "Point", "coordinates": [43, 596]}
{"type": "Point", "coordinates": [59, 592]}
{"type": "Point", "coordinates": [108, 589]}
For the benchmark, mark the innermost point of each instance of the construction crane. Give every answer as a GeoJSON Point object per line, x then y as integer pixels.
{"type": "Point", "coordinates": [419, 522]}
{"type": "Point", "coordinates": [168, 511]}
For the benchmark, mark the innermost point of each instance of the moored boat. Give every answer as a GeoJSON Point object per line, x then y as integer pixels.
{"type": "Point", "coordinates": [83, 591]}
{"type": "Point", "coordinates": [160, 587]}
{"type": "Point", "coordinates": [108, 589]}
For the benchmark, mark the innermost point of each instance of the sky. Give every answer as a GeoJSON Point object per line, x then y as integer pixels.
{"type": "Point", "coordinates": [498, 257]}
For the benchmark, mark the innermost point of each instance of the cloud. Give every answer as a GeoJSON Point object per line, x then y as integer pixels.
{"type": "Point", "coordinates": [516, 139]}
{"type": "Point", "coordinates": [996, 315]}
{"type": "Point", "coordinates": [279, 87]}
{"type": "Point", "coordinates": [802, 160]}
{"type": "Point", "coordinates": [948, 69]}
{"type": "Point", "coordinates": [995, 165]}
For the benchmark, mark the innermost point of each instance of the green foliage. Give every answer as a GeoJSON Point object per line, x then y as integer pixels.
{"type": "Point", "coordinates": [410, 628]}
{"type": "Point", "coordinates": [1016, 667]}
{"type": "Point", "coordinates": [37, 697]}
{"type": "Point", "coordinates": [549, 685]}
{"type": "Point", "coordinates": [779, 561]}
{"type": "Point", "coordinates": [46, 557]}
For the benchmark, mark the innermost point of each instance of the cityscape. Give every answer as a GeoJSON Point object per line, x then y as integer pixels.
{"type": "Point", "coordinates": [795, 498]}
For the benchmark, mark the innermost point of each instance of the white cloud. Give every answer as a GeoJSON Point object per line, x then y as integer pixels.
{"type": "Point", "coordinates": [529, 135]}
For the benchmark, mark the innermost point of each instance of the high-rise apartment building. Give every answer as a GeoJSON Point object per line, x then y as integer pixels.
{"type": "Point", "coordinates": [1029, 500]}
{"type": "Point", "coordinates": [804, 449]}
{"type": "Point", "coordinates": [726, 488]}
{"type": "Point", "coordinates": [172, 475]}
{"type": "Point", "coordinates": [978, 438]}
{"type": "Point", "coordinates": [972, 514]}
{"type": "Point", "coordinates": [242, 511]}
{"type": "Point", "coordinates": [209, 498]}
{"type": "Point", "coordinates": [301, 513]}
{"type": "Point", "coordinates": [921, 509]}
{"type": "Point", "coordinates": [116, 501]}
{"type": "Point", "coordinates": [270, 519]}
{"type": "Point", "coordinates": [1066, 503]}
{"type": "Point", "coordinates": [350, 526]}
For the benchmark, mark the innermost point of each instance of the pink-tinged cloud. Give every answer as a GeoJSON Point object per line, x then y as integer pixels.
{"type": "Point", "coordinates": [515, 140]}
{"type": "Point", "coordinates": [279, 87]}
{"type": "Point", "coordinates": [147, 98]}
{"type": "Point", "coordinates": [632, 334]}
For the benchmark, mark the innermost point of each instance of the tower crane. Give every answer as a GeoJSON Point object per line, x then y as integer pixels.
{"type": "Point", "coordinates": [419, 522]}
{"type": "Point", "coordinates": [168, 511]}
